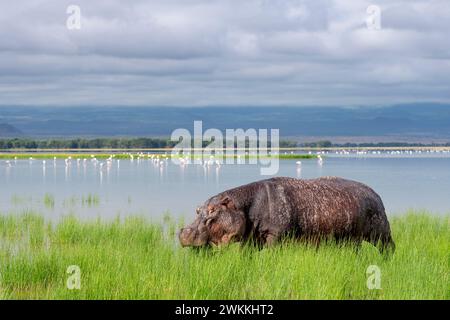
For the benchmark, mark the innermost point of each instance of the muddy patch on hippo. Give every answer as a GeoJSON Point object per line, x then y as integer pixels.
{"type": "Point", "coordinates": [313, 210]}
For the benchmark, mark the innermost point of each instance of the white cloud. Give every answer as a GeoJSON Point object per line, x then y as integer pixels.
{"type": "Point", "coordinates": [203, 52]}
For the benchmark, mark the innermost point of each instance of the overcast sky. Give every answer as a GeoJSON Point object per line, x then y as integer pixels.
{"type": "Point", "coordinates": [236, 52]}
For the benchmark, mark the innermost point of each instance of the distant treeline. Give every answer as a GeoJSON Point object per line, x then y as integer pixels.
{"type": "Point", "coordinates": [148, 143]}
{"type": "Point", "coordinates": [101, 143]}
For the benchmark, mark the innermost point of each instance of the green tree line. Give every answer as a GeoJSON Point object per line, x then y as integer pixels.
{"type": "Point", "coordinates": [100, 143]}
{"type": "Point", "coordinates": [146, 143]}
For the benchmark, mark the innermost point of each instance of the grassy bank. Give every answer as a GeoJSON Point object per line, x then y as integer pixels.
{"type": "Point", "coordinates": [104, 156]}
{"type": "Point", "coordinates": [137, 259]}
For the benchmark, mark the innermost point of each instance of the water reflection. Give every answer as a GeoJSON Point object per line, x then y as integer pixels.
{"type": "Point", "coordinates": [153, 185]}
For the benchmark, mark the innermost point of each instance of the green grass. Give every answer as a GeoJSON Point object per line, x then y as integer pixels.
{"type": "Point", "coordinates": [135, 258]}
{"type": "Point", "coordinates": [49, 201]}
{"type": "Point", "coordinates": [91, 200]}
{"type": "Point", "coordinates": [51, 156]}
{"type": "Point", "coordinates": [103, 156]}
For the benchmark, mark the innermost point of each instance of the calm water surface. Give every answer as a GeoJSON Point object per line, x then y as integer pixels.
{"type": "Point", "coordinates": [146, 188]}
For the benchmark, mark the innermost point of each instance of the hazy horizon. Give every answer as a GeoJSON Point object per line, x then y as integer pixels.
{"type": "Point", "coordinates": [417, 122]}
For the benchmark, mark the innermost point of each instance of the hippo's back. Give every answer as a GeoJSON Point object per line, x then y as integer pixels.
{"type": "Point", "coordinates": [326, 187]}
{"type": "Point", "coordinates": [330, 204]}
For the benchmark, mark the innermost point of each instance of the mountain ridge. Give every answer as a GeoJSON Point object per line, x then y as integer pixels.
{"type": "Point", "coordinates": [7, 130]}
{"type": "Point", "coordinates": [419, 120]}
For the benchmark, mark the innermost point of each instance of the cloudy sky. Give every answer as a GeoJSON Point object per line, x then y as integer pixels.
{"type": "Point", "coordinates": [227, 52]}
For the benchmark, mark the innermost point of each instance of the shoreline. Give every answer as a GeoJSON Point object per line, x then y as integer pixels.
{"type": "Point", "coordinates": [84, 155]}
{"type": "Point", "coordinates": [59, 150]}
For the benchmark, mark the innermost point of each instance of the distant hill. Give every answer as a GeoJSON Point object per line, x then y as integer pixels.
{"type": "Point", "coordinates": [420, 121]}
{"type": "Point", "coordinates": [7, 130]}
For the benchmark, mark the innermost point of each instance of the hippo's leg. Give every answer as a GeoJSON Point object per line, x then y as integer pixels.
{"type": "Point", "coordinates": [353, 240]}
{"type": "Point", "coordinates": [387, 244]}
{"type": "Point", "coordinates": [383, 242]}
{"type": "Point", "coordinates": [378, 231]}
{"type": "Point", "coordinates": [266, 240]}
{"type": "Point", "coordinates": [271, 239]}
{"type": "Point", "coordinates": [312, 240]}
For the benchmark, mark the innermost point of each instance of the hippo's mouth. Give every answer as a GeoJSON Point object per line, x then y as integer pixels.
{"type": "Point", "coordinates": [193, 237]}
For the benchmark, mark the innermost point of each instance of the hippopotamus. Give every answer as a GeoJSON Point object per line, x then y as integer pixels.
{"type": "Point", "coordinates": [310, 209]}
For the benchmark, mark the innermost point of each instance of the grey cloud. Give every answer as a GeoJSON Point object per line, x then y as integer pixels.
{"type": "Point", "coordinates": [200, 52]}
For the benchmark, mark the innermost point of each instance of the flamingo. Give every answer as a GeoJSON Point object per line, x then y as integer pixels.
{"type": "Point", "coordinates": [320, 160]}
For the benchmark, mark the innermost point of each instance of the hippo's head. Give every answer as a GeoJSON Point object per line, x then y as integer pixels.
{"type": "Point", "coordinates": [218, 222]}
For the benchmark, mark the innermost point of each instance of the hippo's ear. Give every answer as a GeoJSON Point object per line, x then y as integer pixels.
{"type": "Point", "coordinates": [227, 202]}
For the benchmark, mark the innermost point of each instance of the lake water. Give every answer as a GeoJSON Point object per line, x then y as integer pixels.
{"type": "Point", "coordinates": [148, 188]}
